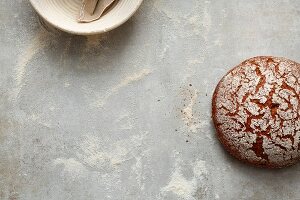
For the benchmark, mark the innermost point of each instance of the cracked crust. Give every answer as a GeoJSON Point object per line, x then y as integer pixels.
{"type": "Point", "coordinates": [255, 110]}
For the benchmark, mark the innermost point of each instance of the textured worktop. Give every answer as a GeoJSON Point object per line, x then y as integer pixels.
{"type": "Point", "coordinates": [126, 115]}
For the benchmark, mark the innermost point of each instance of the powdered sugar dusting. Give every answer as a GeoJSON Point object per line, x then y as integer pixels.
{"type": "Point", "coordinates": [187, 113]}
{"type": "Point", "coordinates": [256, 111]}
{"type": "Point", "coordinates": [187, 188]}
{"type": "Point", "coordinates": [125, 82]}
{"type": "Point", "coordinates": [71, 166]}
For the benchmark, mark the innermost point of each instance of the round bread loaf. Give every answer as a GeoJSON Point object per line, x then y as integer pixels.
{"type": "Point", "coordinates": [255, 110]}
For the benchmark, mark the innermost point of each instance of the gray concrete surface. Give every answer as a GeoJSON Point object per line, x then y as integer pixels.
{"type": "Point", "coordinates": [100, 117]}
